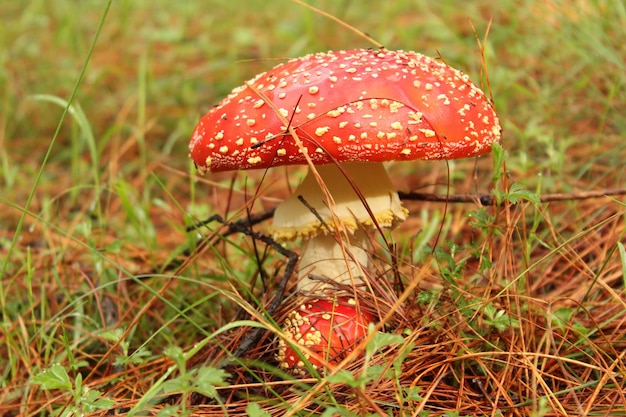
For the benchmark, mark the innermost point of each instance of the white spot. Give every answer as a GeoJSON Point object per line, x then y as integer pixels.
{"type": "Point", "coordinates": [258, 103]}
{"type": "Point", "coordinates": [281, 152]}
{"type": "Point", "coordinates": [254, 160]}
{"type": "Point", "coordinates": [337, 139]}
{"type": "Point", "coordinates": [443, 97]}
{"type": "Point", "coordinates": [313, 89]}
{"type": "Point", "coordinates": [320, 131]}
{"type": "Point", "coordinates": [405, 151]}
{"type": "Point", "coordinates": [283, 112]}
{"type": "Point", "coordinates": [396, 126]}
{"type": "Point", "coordinates": [250, 122]}
{"type": "Point", "coordinates": [427, 132]}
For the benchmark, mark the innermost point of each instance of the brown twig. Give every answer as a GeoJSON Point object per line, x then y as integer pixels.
{"type": "Point", "coordinates": [489, 199]}
{"type": "Point", "coordinates": [482, 199]}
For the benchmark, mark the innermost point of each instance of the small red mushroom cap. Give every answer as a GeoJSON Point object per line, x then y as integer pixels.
{"type": "Point", "coordinates": [357, 105]}
{"type": "Point", "coordinates": [328, 329]}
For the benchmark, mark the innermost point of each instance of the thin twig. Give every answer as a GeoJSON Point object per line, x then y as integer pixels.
{"type": "Point", "coordinates": [489, 199]}
{"type": "Point", "coordinates": [243, 226]}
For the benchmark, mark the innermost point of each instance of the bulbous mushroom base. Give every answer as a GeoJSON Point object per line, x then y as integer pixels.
{"type": "Point", "coordinates": [321, 332]}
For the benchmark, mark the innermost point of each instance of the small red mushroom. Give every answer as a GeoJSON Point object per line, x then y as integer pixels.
{"type": "Point", "coordinates": [328, 331]}
{"type": "Point", "coordinates": [356, 109]}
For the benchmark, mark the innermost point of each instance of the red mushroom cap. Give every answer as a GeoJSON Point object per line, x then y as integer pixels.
{"type": "Point", "coordinates": [358, 105]}
{"type": "Point", "coordinates": [328, 329]}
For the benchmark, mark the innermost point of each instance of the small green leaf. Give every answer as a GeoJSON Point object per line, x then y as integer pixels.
{"type": "Point", "coordinates": [519, 192]}
{"type": "Point", "coordinates": [55, 377]}
{"type": "Point", "coordinates": [413, 394]}
{"type": "Point", "coordinates": [92, 401]}
{"type": "Point", "coordinates": [342, 377]}
{"type": "Point", "coordinates": [255, 410]}
{"type": "Point", "coordinates": [208, 378]}
{"type": "Point", "coordinates": [381, 340]}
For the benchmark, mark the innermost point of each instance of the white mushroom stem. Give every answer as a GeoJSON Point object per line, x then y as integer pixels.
{"type": "Point", "coordinates": [344, 215]}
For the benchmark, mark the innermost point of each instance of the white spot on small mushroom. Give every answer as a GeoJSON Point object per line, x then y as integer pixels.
{"type": "Point", "coordinates": [219, 135]}
{"type": "Point", "coordinates": [391, 135]}
{"type": "Point", "coordinates": [258, 103]}
{"type": "Point", "coordinates": [405, 151]}
{"type": "Point", "coordinates": [310, 116]}
{"type": "Point", "coordinates": [364, 135]}
{"type": "Point", "coordinates": [250, 122]}
{"type": "Point", "coordinates": [282, 95]}
{"type": "Point", "coordinates": [351, 138]}
{"type": "Point", "coordinates": [313, 89]}
{"type": "Point", "coordinates": [373, 124]}
{"type": "Point", "coordinates": [254, 160]}
{"type": "Point", "coordinates": [319, 150]}
{"type": "Point", "coordinates": [428, 86]}
{"type": "Point", "coordinates": [396, 126]}
{"type": "Point", "coordinates": [239, 142]}
{"type": "Point", "coordinates": [283, 112]}
{"type": "Point", "coordinates": [281, 152]}
{"type": "Point", "coordinates": [337, 139]}
{"type": "Point", "coordinates": [427, 132]}
{"type": "Point", "coordinates": [343, 124]}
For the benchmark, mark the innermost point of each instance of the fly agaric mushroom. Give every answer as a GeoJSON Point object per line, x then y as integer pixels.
{"type": "Point", "coordinates": [326, 330]}
{"type": "Point", "coordinates": [344, 113]}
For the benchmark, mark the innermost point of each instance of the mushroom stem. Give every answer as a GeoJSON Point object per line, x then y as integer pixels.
{"type": "Point", "coordinates": [324, 257]}
{"type": "Point", "coordinates": [308, 214]}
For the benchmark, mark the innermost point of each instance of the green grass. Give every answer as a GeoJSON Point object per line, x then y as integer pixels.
{"type": "Point", "coordinates": [107, 302]}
